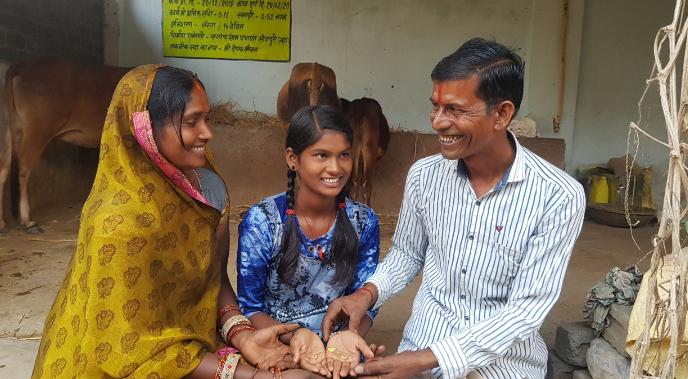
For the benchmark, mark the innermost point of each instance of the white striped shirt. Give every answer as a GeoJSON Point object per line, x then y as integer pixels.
{"type": "Point", "coordinates": [492, 267]}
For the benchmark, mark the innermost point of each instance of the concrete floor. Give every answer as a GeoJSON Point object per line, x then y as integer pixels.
{"type": "Point", "coordinates": [32, 268]}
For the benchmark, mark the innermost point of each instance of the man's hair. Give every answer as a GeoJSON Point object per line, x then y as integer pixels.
{"type": "Point", "coordinates": [498, 68]}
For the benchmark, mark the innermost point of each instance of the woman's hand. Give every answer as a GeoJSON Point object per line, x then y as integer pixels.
{"type": "Point", "coordinates": [263, 349]}
{"type": "Point", "coordinates": [309, 352]}
{"type": "Point", "coordinates": [343, 353]}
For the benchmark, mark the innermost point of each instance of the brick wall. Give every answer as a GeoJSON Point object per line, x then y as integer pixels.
{"type": "Point", "coordinates": [66, 28]}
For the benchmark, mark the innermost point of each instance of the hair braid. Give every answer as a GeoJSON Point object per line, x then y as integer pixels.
{"type": "Point", "coordinates": [344, 242]}
{"type": "Point", "coordinates": [289, 254]}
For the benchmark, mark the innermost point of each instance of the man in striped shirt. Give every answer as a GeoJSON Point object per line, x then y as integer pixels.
{"type": "Point", "coordinates": [489, 224]}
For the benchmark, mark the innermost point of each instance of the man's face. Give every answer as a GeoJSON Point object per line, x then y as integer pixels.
{"type": "Point", "coordinates": [460, 118]}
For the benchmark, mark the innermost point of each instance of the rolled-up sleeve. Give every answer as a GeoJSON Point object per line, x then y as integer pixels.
{"type": "Point", "coordinates": [253, 258]}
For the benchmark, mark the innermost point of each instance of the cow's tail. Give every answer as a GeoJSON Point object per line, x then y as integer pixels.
{"type": "Point", "coordinates": [384, 135]}
{"type": "Point", "coordinates": [8, 156]}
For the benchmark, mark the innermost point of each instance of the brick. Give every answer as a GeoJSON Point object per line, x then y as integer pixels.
{"type": "Point", "coordinates": [572, 341]}
{"type": "Point", "coordinates": [58, 27]}
{"type": "Point", "coordinates": [604, 362]}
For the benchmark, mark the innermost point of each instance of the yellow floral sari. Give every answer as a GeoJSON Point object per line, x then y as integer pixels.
{"type": "Point", "coordinates": [139, 298]}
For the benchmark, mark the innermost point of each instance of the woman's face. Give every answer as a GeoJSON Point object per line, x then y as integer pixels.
{"type": "Point", "coordinates": [195, 130]}
{"type": "Point", "coordinates": [324, 167]}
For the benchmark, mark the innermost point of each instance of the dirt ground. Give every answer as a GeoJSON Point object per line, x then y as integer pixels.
{"type": "Point", "coordinates": [32, 268]}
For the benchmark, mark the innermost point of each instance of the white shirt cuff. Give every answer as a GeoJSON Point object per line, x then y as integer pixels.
{"type": "Point", "coordinates": [451, 358]}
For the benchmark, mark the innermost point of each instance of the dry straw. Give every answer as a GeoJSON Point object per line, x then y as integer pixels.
{"type": "Point", "coordinates": [227, 113]}
{"type": "Point", "coordinates": [666, 315]}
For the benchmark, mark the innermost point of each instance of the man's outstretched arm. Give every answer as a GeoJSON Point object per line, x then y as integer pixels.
{"type": "Point", "coordinates": [402, 264]}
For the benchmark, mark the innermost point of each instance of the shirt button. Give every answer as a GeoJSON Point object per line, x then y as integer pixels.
{"type": "Point", "coordinates": [477, 203]}
{"type": "Point", "coordinates": [463, 296]}
{"type": "Point", "coordinates": [466, 318]}
{"type": "Point", "coordinates": [463, 271]}
{"type": "Point", "coordinates": [471, 236]}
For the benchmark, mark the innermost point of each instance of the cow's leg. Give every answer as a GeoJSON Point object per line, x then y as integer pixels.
{"type": "Point", "coordinates": [5, 166]}
{"type": "Point", "coordinates": [30, 226]}
{"type": "Point", "coordinates": [28, 155]}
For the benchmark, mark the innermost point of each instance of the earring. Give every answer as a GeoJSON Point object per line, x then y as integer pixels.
{"type": "Point", "coordinates": [293, 168]}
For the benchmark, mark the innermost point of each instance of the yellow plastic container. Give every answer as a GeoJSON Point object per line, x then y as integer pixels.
{"type": "Point", "coordinates": [599, 193]}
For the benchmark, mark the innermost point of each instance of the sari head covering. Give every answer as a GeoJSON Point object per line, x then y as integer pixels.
{"type": "Point", "coordinates": [140, 295]}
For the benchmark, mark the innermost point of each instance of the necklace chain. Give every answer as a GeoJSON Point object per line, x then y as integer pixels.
{"type": "Point", "coordinates": [310, 229]}
{"type": "Point", "coordinates": [198, 179]}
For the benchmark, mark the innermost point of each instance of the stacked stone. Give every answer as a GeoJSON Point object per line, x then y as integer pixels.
{"type": "Point", "coordinates": [579, 355]}
{"type": "Point", "coordinates": [568, 359]}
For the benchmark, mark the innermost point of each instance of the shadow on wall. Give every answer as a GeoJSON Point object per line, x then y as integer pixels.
{"type": "Point", "coordinates": [140, 45]}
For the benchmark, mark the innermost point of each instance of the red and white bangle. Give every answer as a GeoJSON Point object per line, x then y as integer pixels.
{"type": "Point", "coordinates": [231, 323]}
{"type": "Point", "coordinates": [226, 309]}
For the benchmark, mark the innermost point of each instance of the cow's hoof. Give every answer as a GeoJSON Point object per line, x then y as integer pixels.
{"type": "Point", "coordinates": [34, 229]}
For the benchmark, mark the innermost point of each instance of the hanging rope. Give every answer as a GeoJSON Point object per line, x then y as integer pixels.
{"type": "Point", "coordinates": [665, 315]}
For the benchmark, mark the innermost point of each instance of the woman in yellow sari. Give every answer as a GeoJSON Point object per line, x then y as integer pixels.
{"type": "Point", "coordinates": [147, 289]}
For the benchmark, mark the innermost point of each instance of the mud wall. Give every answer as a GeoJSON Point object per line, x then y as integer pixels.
{"type": "Point", "coordinates": [251, 160]}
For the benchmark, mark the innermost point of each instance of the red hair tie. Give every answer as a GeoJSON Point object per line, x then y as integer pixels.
{"type": "Point", "coordinates": [341, 205]}
{"type": "Point", "coordinates": [290, 212]}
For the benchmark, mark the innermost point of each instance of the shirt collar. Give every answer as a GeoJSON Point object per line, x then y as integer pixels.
{"type": "Point", "coordinates": [515, 172]}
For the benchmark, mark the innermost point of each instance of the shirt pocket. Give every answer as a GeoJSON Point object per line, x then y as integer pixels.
{"type": "Point", "coordinates": [501, 266]}
{"type": "Point", "coordinates": [508, 249]}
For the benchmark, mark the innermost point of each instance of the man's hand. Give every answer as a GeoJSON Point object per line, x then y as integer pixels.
{"type": "Point", "coordinates": [378, 351]}
{"type": "Point", "coordinates": [309, 352]}
{"type": "Point", "coordinates": [263, 348]}
{"type": "Point", "coordinates": [401, 365]}
{"type": "Point", "coordinates": [353, 307]}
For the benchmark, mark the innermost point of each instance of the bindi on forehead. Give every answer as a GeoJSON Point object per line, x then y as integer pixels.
{"type": "Point", "coordinates": [436, 94]}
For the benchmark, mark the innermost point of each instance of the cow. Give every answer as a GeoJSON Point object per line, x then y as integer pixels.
{"type": "Point", "coordinates": [371, 140]}
{"type": "Point", "coordinates": [46, 99]}
{"type": "Point", "coordinates": [309, 84]}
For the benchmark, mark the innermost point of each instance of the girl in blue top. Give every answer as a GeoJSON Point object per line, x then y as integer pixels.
{"type": "Point", "coordinates": [300, 250]}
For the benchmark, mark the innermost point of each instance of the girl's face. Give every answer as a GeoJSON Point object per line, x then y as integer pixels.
{"type": "Point", "coordinates": [195, 131]}
{"type": "Point", "coordinates": [324, 167]}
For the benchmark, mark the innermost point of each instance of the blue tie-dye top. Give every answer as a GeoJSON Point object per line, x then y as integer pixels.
{"type": "Point", "coordinates": [305, 301]}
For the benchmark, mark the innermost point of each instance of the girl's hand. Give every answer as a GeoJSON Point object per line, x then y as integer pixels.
{"type": "Point", "coordinates": [343, 353]}
{"type": "Point", "coordinates": [263, 349]}
{"type": "Point", "coordinates": [308, 351]}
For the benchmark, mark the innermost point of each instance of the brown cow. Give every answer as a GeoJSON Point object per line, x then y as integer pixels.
{"type": "Point", "coordinates": [371, 139]}
{"type": "Point", "coordinates": [46, 99]}
{"type": "Point", "coordinates": [309, 84]}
